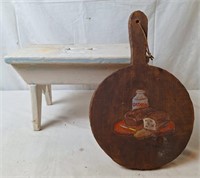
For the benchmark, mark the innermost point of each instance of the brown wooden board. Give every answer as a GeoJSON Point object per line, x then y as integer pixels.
{"type": "Point", "coordinates": [141, 115]}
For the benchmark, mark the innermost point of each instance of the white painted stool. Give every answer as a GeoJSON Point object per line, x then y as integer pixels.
{"type": "Point", "coordinates": [43, 65]}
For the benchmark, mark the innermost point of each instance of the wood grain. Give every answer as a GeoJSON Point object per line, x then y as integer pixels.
{"type": "Point", "coordinates": [113, 99]}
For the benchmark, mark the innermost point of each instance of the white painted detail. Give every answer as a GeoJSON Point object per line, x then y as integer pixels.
{"type": "Point", "coordinates": [149, 124]}
{"type": "Point", "coordinates": [140, 100]}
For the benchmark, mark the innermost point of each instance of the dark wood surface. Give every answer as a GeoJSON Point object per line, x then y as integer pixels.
{"type": "Point", "coordinates": [113, 99]}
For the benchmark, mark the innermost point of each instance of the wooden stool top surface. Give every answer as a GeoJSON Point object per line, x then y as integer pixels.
{"type": "Point", "coordinates": [75, 54]}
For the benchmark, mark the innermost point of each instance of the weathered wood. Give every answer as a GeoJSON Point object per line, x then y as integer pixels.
{"type": "Point", "coordinates": [43, 65]}
{"type": "Point", "coordinates": [36, 98]}
{"type": "Point", "coordinates": [158, 130]}
{"type": "Point", "coordinates": [66, 73]}
{"type": "Point", "coordinates": [137, 40]}
{"type": "Point", "coordinates": [68, 64]}
{"type": "Point", "coordinates": [46, 89]}
{"type": "Point", "coordinates": [71, 54]}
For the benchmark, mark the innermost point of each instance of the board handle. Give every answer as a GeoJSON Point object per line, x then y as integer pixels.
{"type": "Point", "coordinates": [138, 28]}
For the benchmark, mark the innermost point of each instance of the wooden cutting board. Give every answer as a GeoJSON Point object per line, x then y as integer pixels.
{"type": "Point", "coordinates": [141, 115]}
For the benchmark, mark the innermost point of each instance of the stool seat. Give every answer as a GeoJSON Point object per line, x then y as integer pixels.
{"type": "Point", "coordinates": [43, 65]}
{"type": "Point", "coordinates": [71, 54]}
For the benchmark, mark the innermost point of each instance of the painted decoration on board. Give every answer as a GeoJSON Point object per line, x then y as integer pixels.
{"type": "Point", "coordinates": [144, 121]}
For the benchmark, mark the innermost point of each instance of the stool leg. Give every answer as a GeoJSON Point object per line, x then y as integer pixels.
{"type": "Point", "coordinates": [46, 89]}
{"type": "Point", "coordinates": [36, 96]}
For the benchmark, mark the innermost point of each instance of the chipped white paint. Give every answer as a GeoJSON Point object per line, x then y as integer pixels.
{"type": "Point", "coordinates": [46, 89]}
{"type": "Point", "coordinates": [43, 65]}
{"type": "Point", "coordinates": [36, 96]}
{"type": "Point", "coordinates": [75, 54]}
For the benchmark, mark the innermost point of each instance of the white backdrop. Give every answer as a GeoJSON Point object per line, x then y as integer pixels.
{"type": "Point", "coordinates": [174, 30]}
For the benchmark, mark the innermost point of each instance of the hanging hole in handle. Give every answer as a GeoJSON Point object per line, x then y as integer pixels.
{"type": "Point", "coordinates": [137, 21]}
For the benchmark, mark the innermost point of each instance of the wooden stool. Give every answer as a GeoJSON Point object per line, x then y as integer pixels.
{"type": "Point", "coordinates": [43, 65]}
